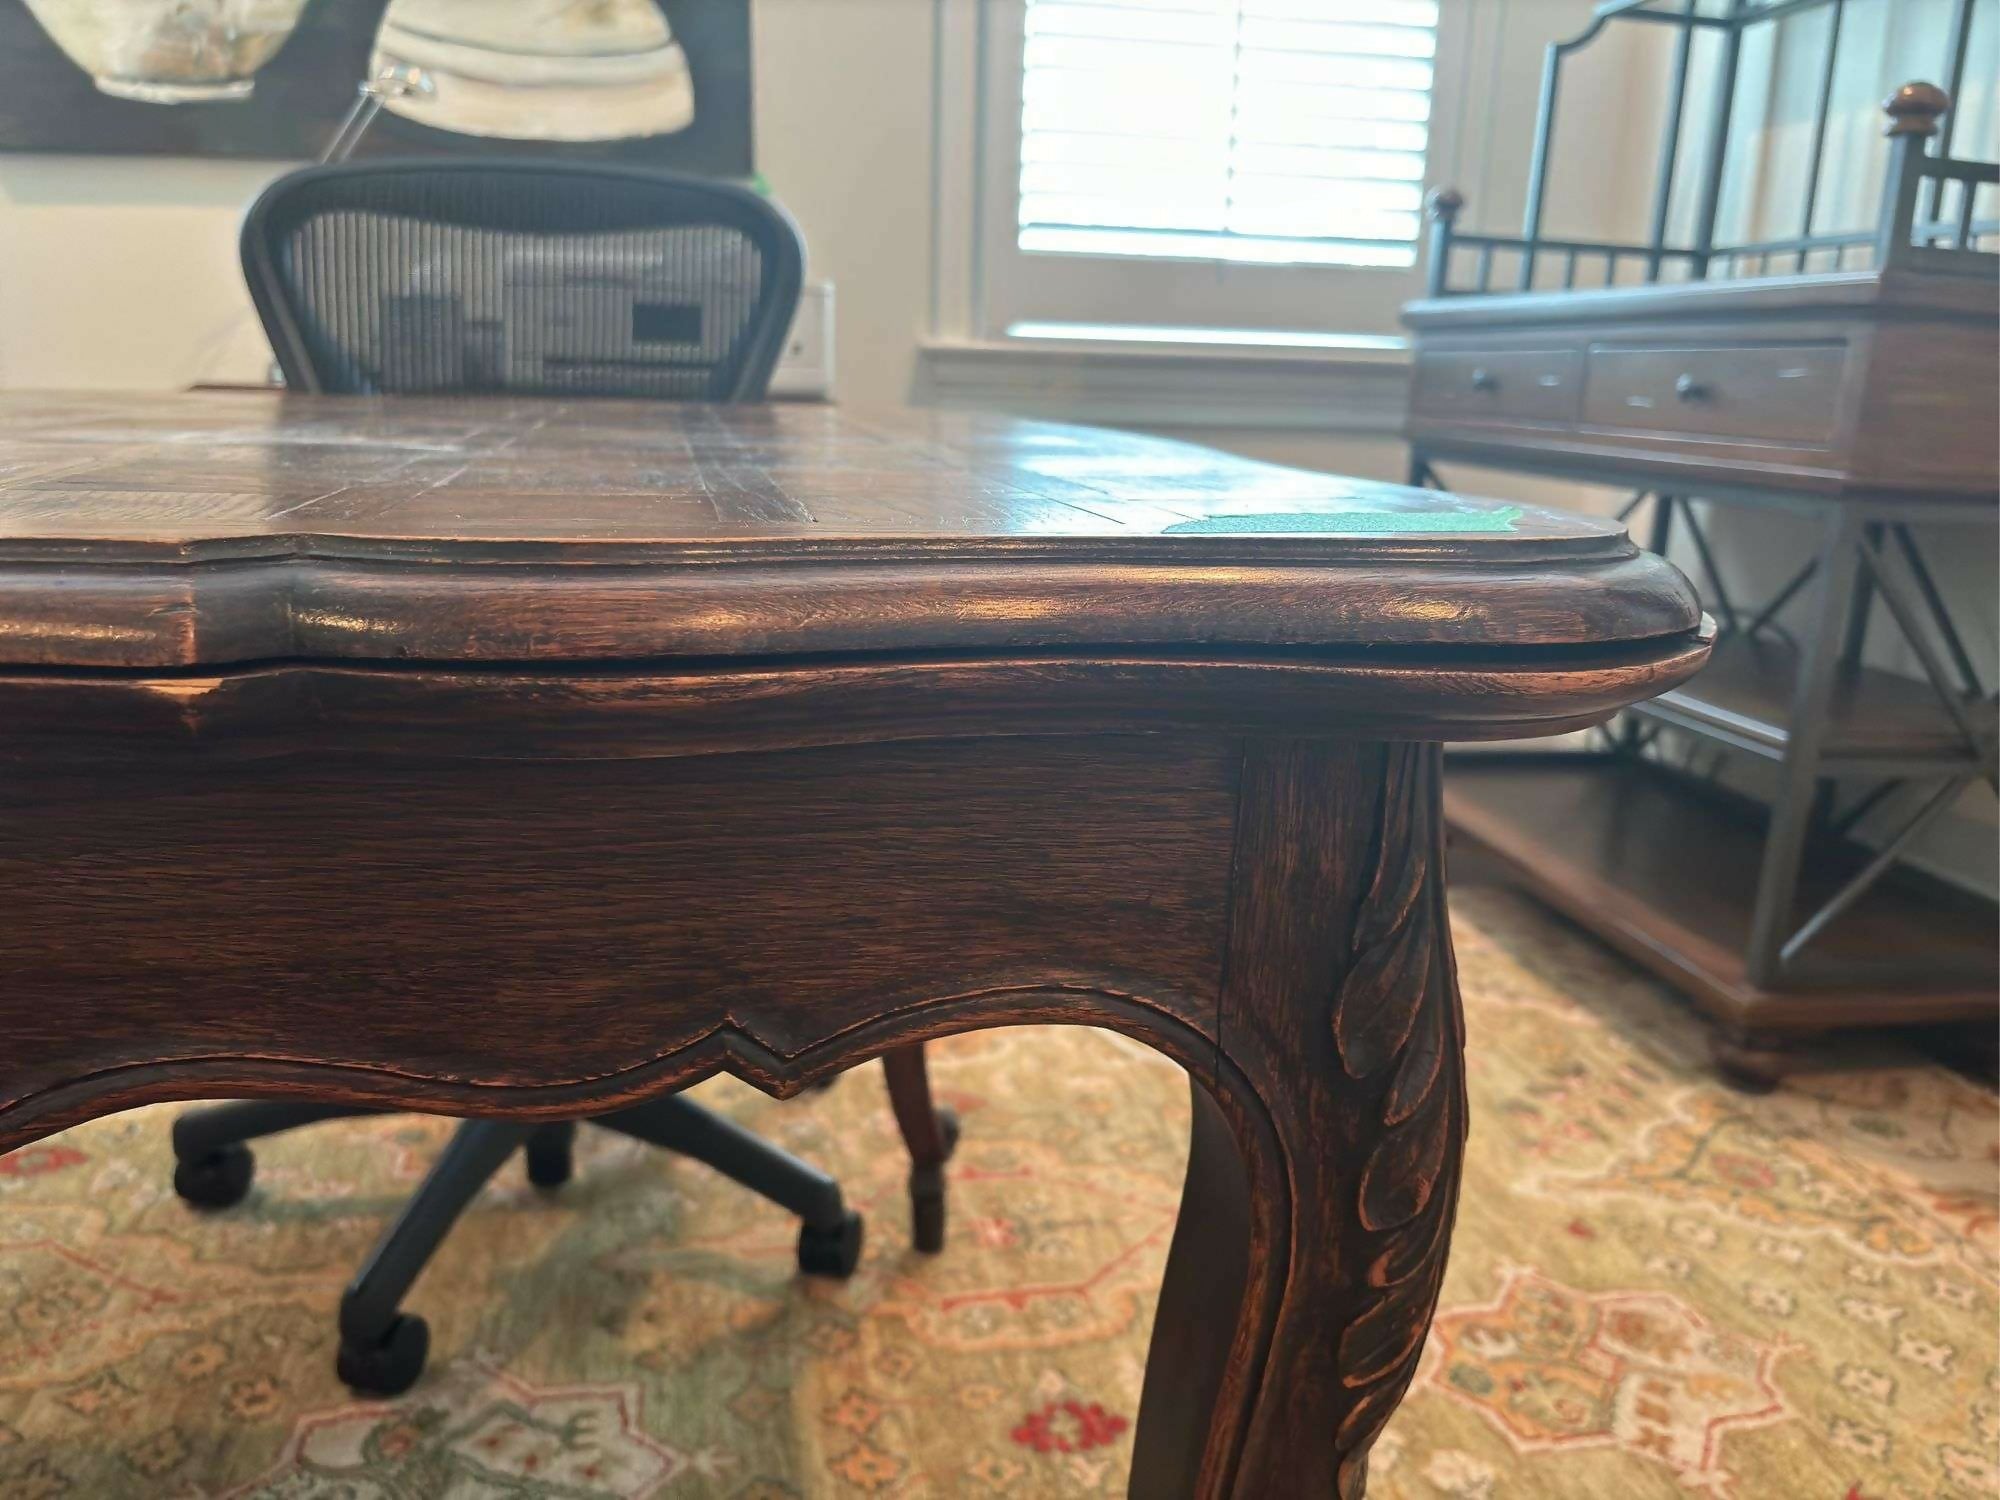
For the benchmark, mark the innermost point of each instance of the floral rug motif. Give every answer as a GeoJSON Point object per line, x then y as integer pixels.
{"type": "Point", "coordinates": [1640, 1371]}
{"type": "Point", "coordinates": [1659, 1288]}
{"type": "Point", "coordinates": [473, 1435]}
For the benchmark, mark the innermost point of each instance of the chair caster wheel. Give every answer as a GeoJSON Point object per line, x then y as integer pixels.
{"type": "Point", "coordinates": [218, 1180]}
{"type": "Point", "coordinates": [831, 1252]}
{"type": "Point", "coordinates": [389, 1366]}
{"type": "Point", "coordinates": [550, 1159]}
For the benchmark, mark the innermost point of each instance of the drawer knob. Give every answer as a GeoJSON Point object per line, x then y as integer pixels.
{"type": "Point", "coordinates": [1485, 380]}
{"type": "Point", "coordinates": [1690, 389]}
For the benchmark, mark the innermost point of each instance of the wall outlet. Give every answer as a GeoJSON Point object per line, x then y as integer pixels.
{"type": "Point", "coordinates": [805, 368]}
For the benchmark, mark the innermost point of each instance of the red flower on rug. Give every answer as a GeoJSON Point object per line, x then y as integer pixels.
{"type": "Point", "coordinates": [34, 1161]}
{"type": "Point", "coordinates": [1744, 1171]}
{"type": "Point", "coordinates": [1069, 1427]}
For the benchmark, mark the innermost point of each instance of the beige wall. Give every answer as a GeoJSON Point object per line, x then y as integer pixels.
{"type": "Point", "coordinates": [121, 271]}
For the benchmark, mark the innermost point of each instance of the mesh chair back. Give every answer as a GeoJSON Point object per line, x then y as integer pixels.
{"type": "Point", "coordinates": [521, 277]}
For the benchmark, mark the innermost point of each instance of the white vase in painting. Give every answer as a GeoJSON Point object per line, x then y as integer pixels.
{"type": "Point", "coordinates": [169, 51]}
{"type": "Point", "coordinates": [538, 70]}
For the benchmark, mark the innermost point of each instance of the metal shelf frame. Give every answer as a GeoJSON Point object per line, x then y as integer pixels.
{"type": "Point", "coordinates": [1932, 221]}
{"type": "Point", "coordinates": [1863, 552]}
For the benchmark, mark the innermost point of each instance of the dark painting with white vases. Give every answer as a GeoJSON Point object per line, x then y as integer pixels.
{"type": "Point", "coordinates": [662, 82]}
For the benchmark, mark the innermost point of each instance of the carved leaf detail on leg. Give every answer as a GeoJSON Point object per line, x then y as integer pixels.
{"type": "Point", "coordinates": [1417, 1074]}
{"type": "Point", "coordinates": [1403, 1171]}
{"type": "Point", "coordinates": [1396, 1022]}
{"type": "Point", "coordinates": [1388, 973]}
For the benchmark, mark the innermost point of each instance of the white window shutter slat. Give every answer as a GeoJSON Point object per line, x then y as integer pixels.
{"type": "Point", "coordinates": [1271, 131]}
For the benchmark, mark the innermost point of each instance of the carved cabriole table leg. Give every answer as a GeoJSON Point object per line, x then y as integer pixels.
{"type": "Point", "coordinates": [1339, 1072]}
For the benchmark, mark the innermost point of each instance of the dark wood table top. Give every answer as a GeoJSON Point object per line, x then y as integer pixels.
{"type": "Point", "coordinates": [164, 532]}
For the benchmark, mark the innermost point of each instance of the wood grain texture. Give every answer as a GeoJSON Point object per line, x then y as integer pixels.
{"type": "Point", "coordinates": [614, 912]}
{"type": "Point", "coordinates": [219, 528]}
{"type": "Point", "coordinates": [267, 712]}
{"type": "Point", "coordinates": [212, 475]}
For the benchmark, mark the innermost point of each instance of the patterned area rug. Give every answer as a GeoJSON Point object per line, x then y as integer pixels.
{"type": "Point", "coordinates": [1660, 1288]}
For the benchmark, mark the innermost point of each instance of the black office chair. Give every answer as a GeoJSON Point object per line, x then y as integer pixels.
{"type": "Point", "coordinates": [527, 278]}
{"type": "Point", "coordinates": [521, 278]}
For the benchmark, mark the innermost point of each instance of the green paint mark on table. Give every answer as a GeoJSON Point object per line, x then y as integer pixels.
{"type": "Point", "coordinates": [1500, 518]}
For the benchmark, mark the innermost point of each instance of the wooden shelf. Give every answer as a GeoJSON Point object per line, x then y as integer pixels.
{"type": "Point", "coordinates": [1744, 697]}
{"type": "Point", "coordinates": [1665, 869]}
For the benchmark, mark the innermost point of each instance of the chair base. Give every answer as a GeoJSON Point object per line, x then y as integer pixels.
{"type": "Point", "coordinates": [382, 1348]}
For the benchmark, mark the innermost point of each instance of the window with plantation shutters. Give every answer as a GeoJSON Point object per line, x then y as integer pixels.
{"type": "Point", "coordinates": [1280, 132]}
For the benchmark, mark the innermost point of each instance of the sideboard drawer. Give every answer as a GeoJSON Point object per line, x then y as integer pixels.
{"type": "Point", "coordinates": [1777, 392]}
{"type": "Point", "coordinates": [1535, 385]}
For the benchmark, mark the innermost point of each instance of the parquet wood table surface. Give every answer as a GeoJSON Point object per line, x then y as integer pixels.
{"type": "Point", "coordinates": [534, 758]}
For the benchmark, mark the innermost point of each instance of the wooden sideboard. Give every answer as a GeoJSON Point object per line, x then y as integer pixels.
{"type": "Point", "coordinates": [1874, 384]}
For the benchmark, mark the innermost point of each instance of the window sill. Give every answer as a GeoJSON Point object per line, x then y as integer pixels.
{"type": "Point", "coordinates": [1157, 381]}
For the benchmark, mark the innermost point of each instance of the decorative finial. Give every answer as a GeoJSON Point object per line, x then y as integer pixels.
{"type": "Point", "coordinates": [1445, 202]}
{"type": "Point", "coordinates": [1914, 109]}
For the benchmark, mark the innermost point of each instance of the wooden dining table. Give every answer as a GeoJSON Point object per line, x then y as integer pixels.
{"type": "Point", "coordinates": [535, 758]}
